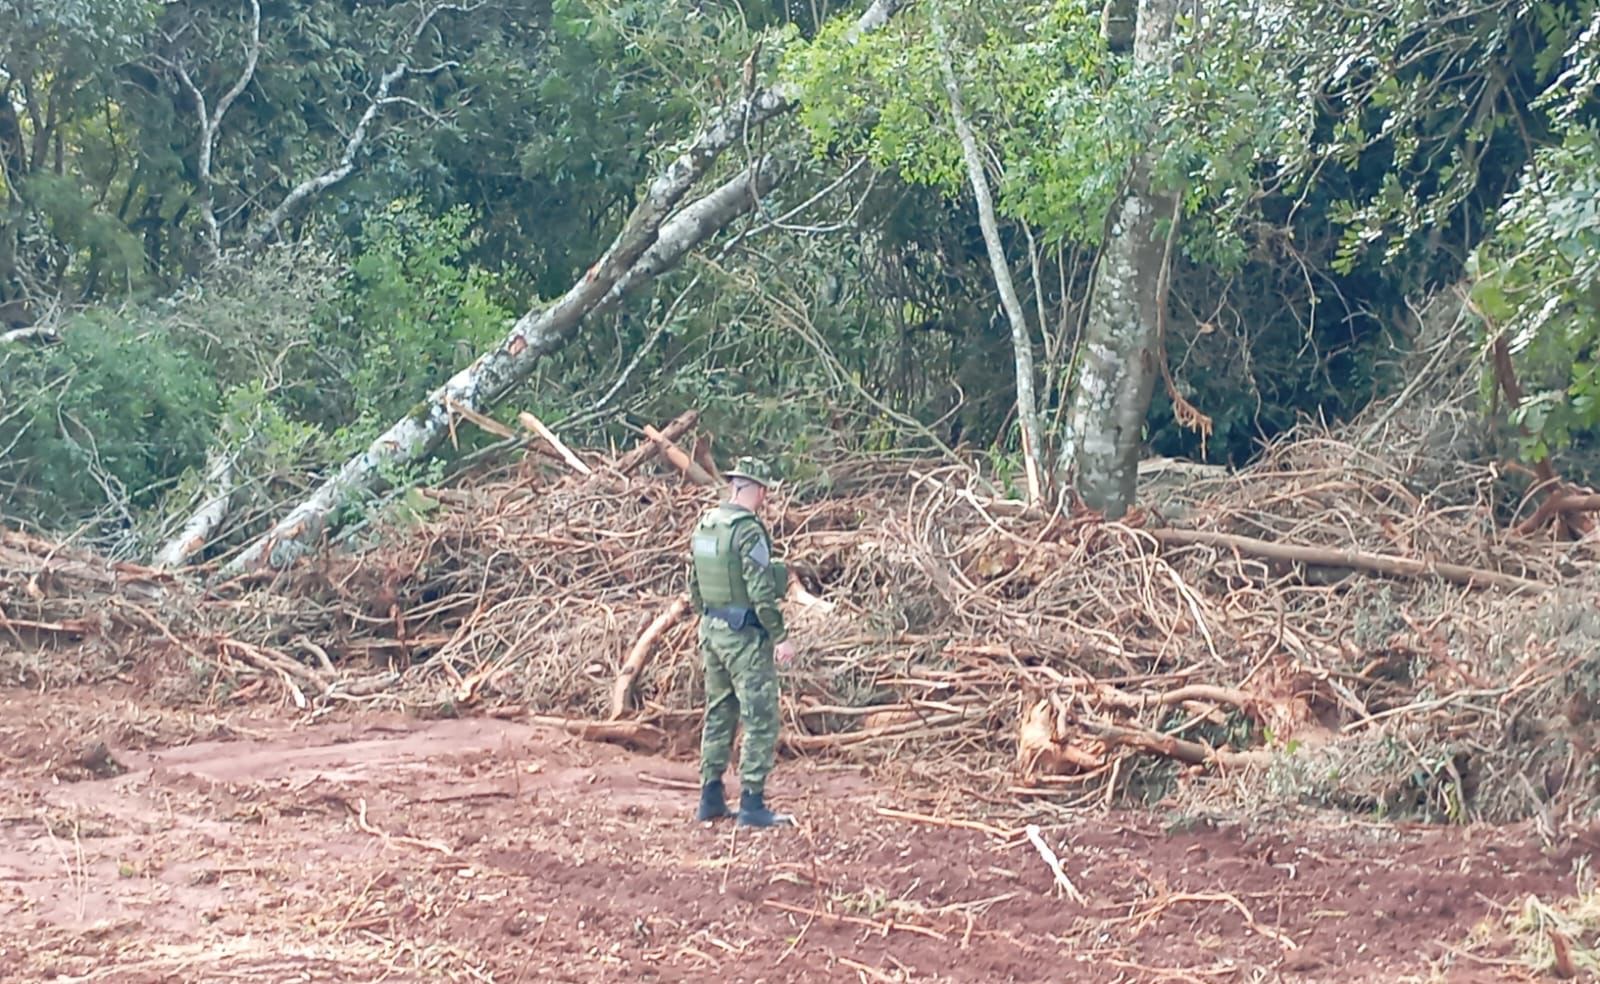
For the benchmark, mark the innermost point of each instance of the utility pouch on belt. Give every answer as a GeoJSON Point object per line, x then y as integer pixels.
{"type": "Point", "coordinates": [737, 618]}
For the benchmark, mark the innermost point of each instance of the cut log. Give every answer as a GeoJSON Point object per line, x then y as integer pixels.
{"type": "Point", "coordinates": [679, 460]}
{"type": "Point", "coordinates": [622, 690]}
{"type": "Point", "coordinates": [648, 448]}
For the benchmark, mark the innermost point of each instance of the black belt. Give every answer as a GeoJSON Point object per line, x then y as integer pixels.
{"type": "Point", "coordinates": [737, 618]}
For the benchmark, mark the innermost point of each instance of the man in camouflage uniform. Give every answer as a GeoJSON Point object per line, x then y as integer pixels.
{"type": "Point", "coordinates": [736, 584]}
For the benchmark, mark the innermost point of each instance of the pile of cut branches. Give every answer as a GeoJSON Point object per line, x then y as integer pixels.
{"type": "Point", "coordinates": [1321, 627]}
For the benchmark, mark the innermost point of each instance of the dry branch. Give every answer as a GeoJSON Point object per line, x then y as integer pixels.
{"type": "Point", "coordinates": [1357, 560]}
{"type": "Point", "coordinates": [537, 426]}
{"type": "Point", "coordinates": [1558, 504]}
{"type": "Point", "coordinates": [483, 421]}
{"type": "Point", "coordinates": [882, 927]}
{"type": "Point", "coordinates": [937, 609]}
{"type": "Point", "coordinates": [1177, 749]}
{"type": "Point", "coordinates": [998, 833]}
{"type": "Point", "coordinates": [848, 739]}
{"type": "Point", "coordinates": [1055, 865]}
{"type": "Point", "coordinates": [622, 690]}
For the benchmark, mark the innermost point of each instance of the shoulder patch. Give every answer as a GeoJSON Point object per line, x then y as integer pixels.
{"type": "Point", "coordinates": [761, 553]}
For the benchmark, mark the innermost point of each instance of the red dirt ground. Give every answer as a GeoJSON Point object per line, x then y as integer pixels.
{"type": "Point", "coordinates": [254, 846]}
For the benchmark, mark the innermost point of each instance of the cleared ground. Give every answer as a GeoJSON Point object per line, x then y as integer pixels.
{"type": "Point", "coordinates": [255, 846]}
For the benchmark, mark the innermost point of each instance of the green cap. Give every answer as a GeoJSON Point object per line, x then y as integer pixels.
{"type": "Point", "coordinates": [753, 469]}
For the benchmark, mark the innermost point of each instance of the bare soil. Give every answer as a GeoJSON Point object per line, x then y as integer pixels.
{"type": "Point", "coordinates": [253, 845]}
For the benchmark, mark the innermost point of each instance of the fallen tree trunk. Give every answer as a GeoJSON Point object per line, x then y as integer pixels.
{"type": "Point", "coordinates": [1294, 553]}
{"type": "Point", "coordinates": [647, 245]}
{"type": "Point", "coordinates": [479, 386]}
{"type": "Point", "coordinates": [198, 530]}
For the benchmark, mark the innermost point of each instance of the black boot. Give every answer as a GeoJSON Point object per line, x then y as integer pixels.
{"type": "Point", "coordinates": [713, 804]}
{"type": "Point", "coordinates": [754, 813]}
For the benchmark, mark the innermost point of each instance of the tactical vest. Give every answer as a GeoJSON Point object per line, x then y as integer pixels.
{"type": "Point", "coordinates": [717, 567]}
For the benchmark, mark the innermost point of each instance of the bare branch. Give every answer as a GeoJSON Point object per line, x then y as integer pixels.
{"type": "Point", "coordinates": [427, 18]}
{"type": "Point", "coordinates": [436, 69]}
{"type": "Point", "coordinates": [421, 109]}
{"type": "Point", "coordinates": [211, 125]}
{"type": "Point", "coordinates": [33, 333]}
{"type": "Point", "coordinates": [252, 57]}
{"type": "Point", "coordinates": [306, 190]}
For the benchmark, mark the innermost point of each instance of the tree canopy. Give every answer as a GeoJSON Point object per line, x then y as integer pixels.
{"type": "Point", "coordinates": [261, 232]}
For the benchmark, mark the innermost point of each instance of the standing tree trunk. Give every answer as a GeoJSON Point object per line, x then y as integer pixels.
{"type": "Point", "coordinates": [1121, 359]}
{"type": "Point", "coordinates": [1021, 341]}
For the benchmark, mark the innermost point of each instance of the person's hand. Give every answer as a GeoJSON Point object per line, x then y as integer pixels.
{"type": "Point", "coordinates": [783, 653]}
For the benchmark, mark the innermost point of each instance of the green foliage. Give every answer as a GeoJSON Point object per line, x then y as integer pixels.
{"type": "Point", "coordinates": [1430, 114]}
{"type": "Point", "coordinates": [1538, 276]}
{"type": "Point", "coordinates": [1065, 116]}
{"type": "Point", "coordinates": [76, 38]}
{"type": "Point", "coordinates": [414, 312]}
{"type": "Point", "coordinates": [103, 418]}
{"type": "Point", "coordinates": [1230, 129]}
{"type": "Point", "coordinates": [1030, 70]}
{"type": "Point", "coordinates": [1329, 162]}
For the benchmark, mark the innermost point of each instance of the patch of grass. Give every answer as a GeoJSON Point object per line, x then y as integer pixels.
{"type": "Point", "coordinates": [1562, 938]}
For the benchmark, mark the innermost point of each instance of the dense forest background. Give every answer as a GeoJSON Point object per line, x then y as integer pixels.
{"type": "Point", "coordinates": [241, 239]}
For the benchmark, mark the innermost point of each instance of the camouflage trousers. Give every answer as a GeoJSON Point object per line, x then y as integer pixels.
{"type": "Point", "coordinates": [741, 687]}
